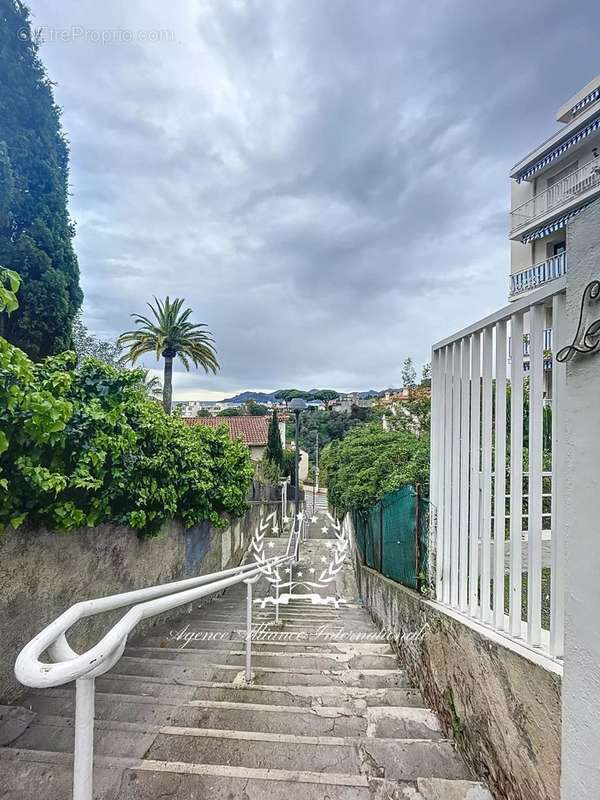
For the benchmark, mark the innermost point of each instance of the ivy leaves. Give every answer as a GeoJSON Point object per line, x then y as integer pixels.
{"type": "Point", "coordinates": [9, 286]}
{"type": "Point", "coordinates": [85, 447]}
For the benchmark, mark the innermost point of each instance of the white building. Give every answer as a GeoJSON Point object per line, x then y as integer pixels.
{"type": "Point", "coordinates": [549, 187]}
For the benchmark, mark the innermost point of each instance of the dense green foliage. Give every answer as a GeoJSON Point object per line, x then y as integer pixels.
{"type": "Point", "coordinates": [86, 446]}
{"type": "Point", "coordinates": [330, 425]}
{"type": "Point", "coordinates": [413, 415]}
{"type": "Point", "coordinates": [169, 334]}
{"type": "Point", "coordinates": [35, 229]}
{"type": "Point", "coordinates": [370, 462]}
{"type": "Point", "coordinates": [326, 395]}
{"type": "Point", "coordinates": [249, 408]}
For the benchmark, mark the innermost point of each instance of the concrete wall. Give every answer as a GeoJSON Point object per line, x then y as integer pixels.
{"type": "Point", "coordinates": [42, 573]}
{"type": "Point", "coordinates": [581, 692]}
{"type": "Point", "coordinates": [257, 451]}
{"type": "Point", "coordinates": [503, 709]}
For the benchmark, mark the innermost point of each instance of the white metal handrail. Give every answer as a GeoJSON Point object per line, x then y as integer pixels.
{"type": "Point", "coordinates": [66, 665]}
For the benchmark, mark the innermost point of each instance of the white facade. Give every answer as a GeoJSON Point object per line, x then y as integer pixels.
{"type": "Point", "coordinates": [555, 181]}
{"type": "Point", "coordinates": [190, 408]}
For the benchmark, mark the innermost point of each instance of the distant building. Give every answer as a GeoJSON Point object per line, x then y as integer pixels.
{"type": "Point", "coordinates": [190, 408]}
{"type": "Point", "coordinates": [253, 431]}
{"type": "Point", "coordinates": [345, 402]}
{"type": "Point", "coordinates": [549, 187]}
{"type": "Point", "coordinates": [403, 395]}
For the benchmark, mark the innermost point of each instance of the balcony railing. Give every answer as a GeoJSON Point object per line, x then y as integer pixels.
{"type": "Point", "coordinates": [577, 183]}
{"type": "Point", "coordinates": [535, 276]}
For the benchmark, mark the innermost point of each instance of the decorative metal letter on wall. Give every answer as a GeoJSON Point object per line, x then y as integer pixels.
{"type": "Point", "coordinates": [587, 336]}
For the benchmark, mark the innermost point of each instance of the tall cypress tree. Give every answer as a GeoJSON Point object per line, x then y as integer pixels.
{"type": "Point", "coordinates": [274, 451]}
{"type": "Point", "coordinates": [36, 231]}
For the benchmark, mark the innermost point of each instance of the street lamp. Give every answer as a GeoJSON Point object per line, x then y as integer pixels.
{"type": "Point", "coordinates": [297, 405]}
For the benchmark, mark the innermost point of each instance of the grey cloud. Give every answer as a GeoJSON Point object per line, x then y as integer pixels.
{"type": "Point", "coordinates": [326, 183]}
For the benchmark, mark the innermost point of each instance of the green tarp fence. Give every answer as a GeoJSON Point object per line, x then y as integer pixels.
{"type": "Point", "coordinates": [392, 536]}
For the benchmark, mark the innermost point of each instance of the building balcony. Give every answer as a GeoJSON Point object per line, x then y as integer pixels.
{"type": "Point", "coordinates": [538, 274]}
{"type": "Point", "coordinates": [570, 192]}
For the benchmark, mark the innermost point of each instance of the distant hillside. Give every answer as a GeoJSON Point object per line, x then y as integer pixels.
{"type": "Point", "coordinates": [243, 397]}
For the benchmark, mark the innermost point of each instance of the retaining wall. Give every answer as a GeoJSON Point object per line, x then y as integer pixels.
{"type": "Point", "coordinates": [503, 709]}
{"type": "Point", "coordinates": [42, 573]}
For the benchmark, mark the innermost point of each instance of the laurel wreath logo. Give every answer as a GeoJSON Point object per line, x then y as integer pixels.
{"type": "Point", "coordinates": [339, 551]}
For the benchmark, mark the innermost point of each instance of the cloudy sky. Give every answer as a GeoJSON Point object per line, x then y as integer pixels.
{"type": "Point", "coordinates": [324, 181]}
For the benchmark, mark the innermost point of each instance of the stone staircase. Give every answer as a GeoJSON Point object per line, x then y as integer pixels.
{"type": "Point", "coordinates": [328, 716]}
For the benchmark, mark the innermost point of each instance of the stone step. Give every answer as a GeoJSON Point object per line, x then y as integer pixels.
{"type": "Point", "coordinates": [263, 640]}
{"type": "Point", "coordinates": [48, 775]}
{"type": "Point", "coordinates": [402, 759]}
{"type": "Point", "coordinates": [362, 629]}
{"type": "Point", "coordinates": [163, 707]}
{"type": "Point", "coordinates": [322, 726]}
{"type": "Point", "coordinates": [198, 783]}
{"type": "Point", "coordinates": [56, 733]}
{"type": "Point", "coordinates": [181, 674]}
{"type": "Point", "coordinates": [30, 775]}
{"type": "Point", "coordinates": [441, 789]}
{"type": "Point", "coordinates": [311, 614]}
{"type": "Point", "coordinates": [379, 722]}
{"type": "Point", "coordinates": [237, 657]}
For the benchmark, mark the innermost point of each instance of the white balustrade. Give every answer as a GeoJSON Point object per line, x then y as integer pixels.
{"type": "Point", "coordinates": [585, 180]}
{"type": "Point", "coordinates": [535, 276]}
{"type": "Point", "coordinates": [497, 502]}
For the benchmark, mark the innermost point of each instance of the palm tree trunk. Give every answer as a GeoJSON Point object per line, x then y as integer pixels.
{"type": "Point", "coordinates": [168, 384]}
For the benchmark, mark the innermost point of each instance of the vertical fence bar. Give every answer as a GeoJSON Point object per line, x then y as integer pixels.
{"type": "Point", "coordinates": [283, 502]}
{"type": "Point", "coordinates": [486, 473]}
{"type": "Point", "coordinates": [83, 756]}
{"type": "Point", "coordinates": [534, 527]}
{"type": "Point", "coordinates": [454, 548]}
{"type": "Point", "coordinates": [464, 477]}
{"type": "Point", "coordinates": [436, 389]}
{"type": "Point", "coordinates": [500, 479]}
{"type": "Point", "coordinates": [557, 593]}
{"type": "Point", "coordinates": [516, 471]}
{"type": "Point", "coordinates": [474, 473]}
{"type": "Point", "coordinates": [447, 475]}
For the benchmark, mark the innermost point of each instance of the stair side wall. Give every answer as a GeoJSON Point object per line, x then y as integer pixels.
{"type": "Point", "coordinates": [502, 709]}
{"type": "Point", "coordinates": [43, 572]}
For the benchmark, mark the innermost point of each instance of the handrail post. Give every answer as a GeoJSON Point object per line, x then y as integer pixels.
{"type": "Point", "coordinates": [249, 583]}
{"type": "Point", "coordinates": [249, 632]}
{"type": "Point", "coordinates": [277, 603]}
{"type": "Point", "coordinates": [83, 758]}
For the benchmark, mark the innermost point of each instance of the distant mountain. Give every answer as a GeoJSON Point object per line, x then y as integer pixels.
{"type": "Point", "coordinates": [258, 397]}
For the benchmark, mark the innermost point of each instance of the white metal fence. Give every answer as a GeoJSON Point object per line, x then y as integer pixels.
{"type": "Point", "coordinates": [488, 420]}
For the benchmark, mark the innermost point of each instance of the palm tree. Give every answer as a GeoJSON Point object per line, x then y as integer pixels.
{"type": "Point", "coordinates": [169, 334]}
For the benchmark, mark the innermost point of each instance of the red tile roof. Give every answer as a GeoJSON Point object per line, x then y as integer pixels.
{"type": "Point", "coordinates": [252, 430]}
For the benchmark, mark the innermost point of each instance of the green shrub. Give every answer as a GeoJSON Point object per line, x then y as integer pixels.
{"type": "Point", "coordinates": [85, 447]}
{"type": "Point", "coordinates": [370, 462]}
